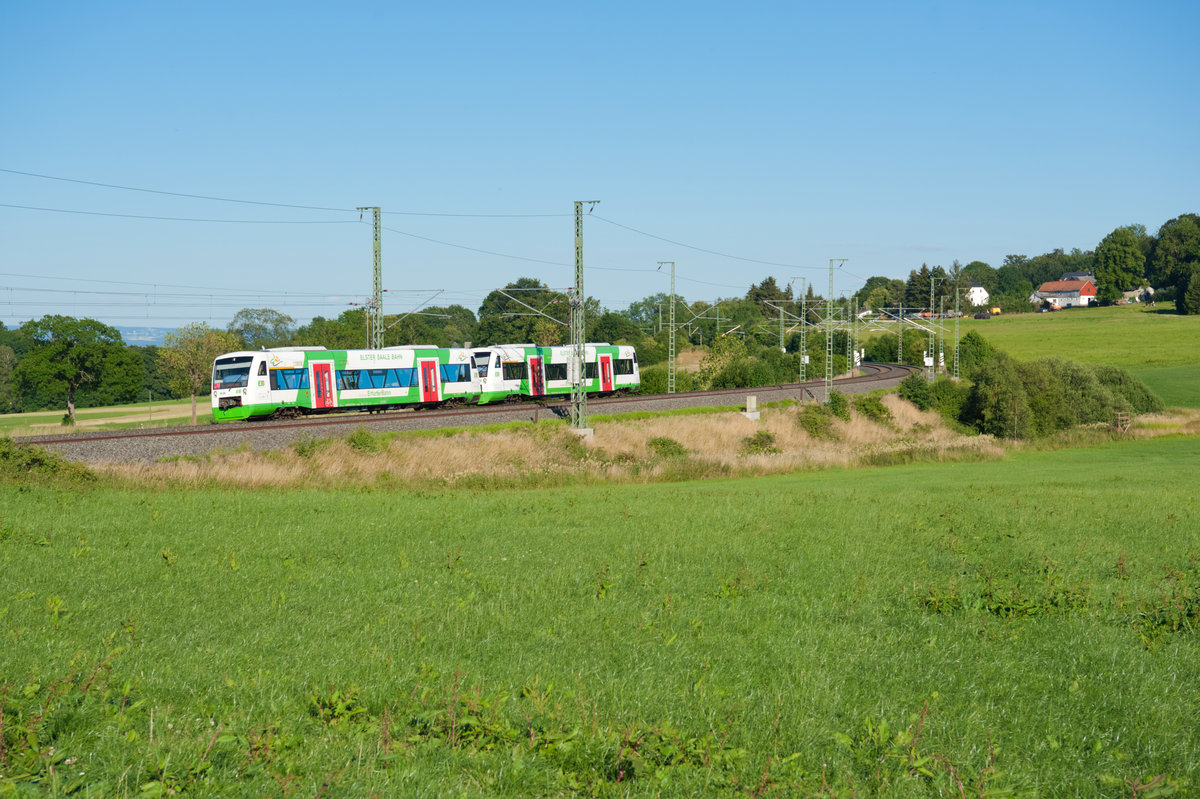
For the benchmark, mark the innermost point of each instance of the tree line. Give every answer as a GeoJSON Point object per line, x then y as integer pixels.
{"type": "Point", "coordinates": [1127, 259]}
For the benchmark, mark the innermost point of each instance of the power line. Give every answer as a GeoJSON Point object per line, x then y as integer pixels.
{"type": "Point", "coordinates": [255, 292]}
{"type": "Point", "coordinates": [250, 202]}
{"type": "Point", "coordinates": [507, 255]}
{"type": "Point", "coordinates": [702, 249]}
{"type": "Point", "coordinates": [186, 219]}
{"type": "Point", "coordinates": [491, 253]}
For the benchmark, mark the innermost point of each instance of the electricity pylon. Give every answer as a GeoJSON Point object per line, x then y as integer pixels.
{"type": "Point", "coordinates": [578, 330]}
{"type": "Point", "coordinates": [375, 311]}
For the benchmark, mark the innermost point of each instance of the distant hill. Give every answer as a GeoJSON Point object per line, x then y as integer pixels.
{"type": "Point", "coordinates": [143, 336]}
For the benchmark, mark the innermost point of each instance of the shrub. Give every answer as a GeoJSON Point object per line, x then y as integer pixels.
{"type": "Point", "coordinates": [654, 380]}
{"type": "Point", "coordinates": [665, 447]}
{"type": "Point", "coordinates": [872, 407]}
{"type": "Point", "coordinates": [882, 348]}
{"type": "Point", "coordinates": [1045, 393]}
{"type": "Point", "coordinates": [364, 441]}
{"type": "Point", "coordinates": [1020, 400]}
{"type": "Point", "coordinates": [839, 405]}
{"type": "Point", "coordinates": [948, 397]}
{"type": "Point", "coordinates": [25, 463]}
{"type": "Point", "coordinates": [973, 350]}
{"type": "Point", "coordinates": [915, 389]}
{"type": "Point", "coordinates": [307, 446]}
{"type": "Point", "coordinates": [736, 373]}
{"type": "Point", "coordinates": [761, 443]}
{"type": "Point", "coordinates": [997, 403]}
{"type": "Point", "coordinates": [1133, 391]}
{"type": "Point", "coordinates": [817, 421]}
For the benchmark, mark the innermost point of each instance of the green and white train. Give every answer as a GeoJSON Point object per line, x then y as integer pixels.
{"type": "Point", "coordinates": [291, 381]}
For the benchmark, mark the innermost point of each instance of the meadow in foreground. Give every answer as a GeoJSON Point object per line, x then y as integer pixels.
{"type": "Point", "coordinates": [1019, 626]}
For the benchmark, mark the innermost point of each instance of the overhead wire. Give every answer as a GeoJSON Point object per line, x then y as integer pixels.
{"type": "Point", "coordinates": [187, 219]}
{"type": "Point", "coordinates": [439, 242]}
{"type": "Point", "coordinates": [252, 202]}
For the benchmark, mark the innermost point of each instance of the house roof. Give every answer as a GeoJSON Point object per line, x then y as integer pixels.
{"type": "Point", "coordinates": [1068, 286]}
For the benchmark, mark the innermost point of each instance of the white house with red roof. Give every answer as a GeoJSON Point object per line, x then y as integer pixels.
{"type": "Point", "coordinates": [1073, 293]}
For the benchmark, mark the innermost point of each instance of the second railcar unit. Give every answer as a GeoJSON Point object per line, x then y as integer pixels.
{"type": "Point", "coordinates": [526, 370]}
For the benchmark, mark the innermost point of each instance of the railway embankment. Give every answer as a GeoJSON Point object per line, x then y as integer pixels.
{"type": "Point", "coordinates": [151, 445]}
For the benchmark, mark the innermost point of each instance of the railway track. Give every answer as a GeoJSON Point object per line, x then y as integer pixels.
{"type": "Point", "coordinates": [152, 445]}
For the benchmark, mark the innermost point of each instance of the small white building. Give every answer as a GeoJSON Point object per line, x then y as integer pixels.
{"type": "Point", "coordinates": [977, 295]}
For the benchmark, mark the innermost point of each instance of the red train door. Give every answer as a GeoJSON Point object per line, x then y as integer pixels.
{"type": "Point", "coordinates": [322, 386]}
{"type": "Point", "coordinates": [429, 381]}
{"type": "Point", "coordinates": [606, 380]}
{"type": "Point", "coordinates": [537, 378]}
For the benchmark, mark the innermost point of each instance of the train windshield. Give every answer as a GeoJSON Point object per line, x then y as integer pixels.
{"type": "Point", "coordinates": [482, 358]}
{"type": "Point", "coordinates": [232, 372]}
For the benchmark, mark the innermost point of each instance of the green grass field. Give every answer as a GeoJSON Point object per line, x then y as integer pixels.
{"type": "Point", "coordinates": [1010, 628]}
{"type": "Point", "coordinates": [165, 413]}
{"type": "Point", "coordinates": [1155, 344]}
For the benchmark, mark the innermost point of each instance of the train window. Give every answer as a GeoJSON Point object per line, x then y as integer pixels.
{"type": "Point", "coordinates": [262, 369]}
{"type": "Point", "coordinates": [288, 379]}
{"type": "Point", "coordinates": [556, 371]}
{"type": "Point", "coordinates": [401, 378]}
{"type": "Point", "coordinates": [624, 366]}
{"type": "Point", "coordinates": [589, 371]}
{"type": "Point", "coordinates": [372, 378]}
{"type": "Point", "coordinates": [347, 380]}
{"type": "Point", "coordinates": [514, 370]}
{"type": "Point", "coordinates": [232, 372]}
{"type": "Point", "coordinates": [456, 373]}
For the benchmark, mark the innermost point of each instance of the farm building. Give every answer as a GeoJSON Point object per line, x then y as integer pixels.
{"type": "Point", "coordinates": [977, 295]}
{"type": "Point", "coordinates": [1143, 294]}
{"type": "Point", "coordinates": [1065, 293]}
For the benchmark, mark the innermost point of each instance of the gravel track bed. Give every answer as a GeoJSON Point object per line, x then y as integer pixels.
{"type": "Point", "coordinates": [153, 445]}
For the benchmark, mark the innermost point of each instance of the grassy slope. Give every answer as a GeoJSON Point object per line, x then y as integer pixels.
{"type": "Point", "coordinates": [790, 617]}
{"type": "Point", "coordinates": [1160, 347]}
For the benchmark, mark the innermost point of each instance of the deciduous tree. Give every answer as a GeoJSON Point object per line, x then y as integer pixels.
{"type": "Point", "coordinates": [1176, 252]}
{"type": "Point", "coordinates": [262, 327]}
{"type": "Point", "coordinates": [981, 273]}
{"type": "Point", "coordinates": [68, 354]}
{"type": "Point", "coordinates": [511, 315]}
{"type": "Point", "coordinates": [1189, 301]}
{"type": "Point", "coordinates": [1120, 265]}
{"type": "Point", "coordinates": [187, 356]}
{"type": "Point", "coordinates": [8, 395]}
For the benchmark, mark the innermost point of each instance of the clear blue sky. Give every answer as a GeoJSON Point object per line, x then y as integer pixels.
{"type": "Point", "coordinates": [739, 140]}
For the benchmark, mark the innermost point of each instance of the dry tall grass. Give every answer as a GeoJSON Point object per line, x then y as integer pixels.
{"type": "Point", "coordinates": [1179, 421]}
{"type": "Point", "coordinates": [620, 451]}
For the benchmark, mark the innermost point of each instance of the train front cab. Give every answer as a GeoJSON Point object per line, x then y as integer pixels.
{"type": "Point", "coordinates": [500, 371]}
{"type": "Point", "coordinates": [239, 386]}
